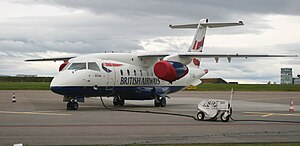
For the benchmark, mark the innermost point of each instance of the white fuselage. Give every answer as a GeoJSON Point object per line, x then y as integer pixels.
{"type": "Point", "coordinates": [119, 73]}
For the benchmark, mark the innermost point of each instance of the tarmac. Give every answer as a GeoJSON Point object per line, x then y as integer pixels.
{"type": "Point", "coordinates": [41, 118]}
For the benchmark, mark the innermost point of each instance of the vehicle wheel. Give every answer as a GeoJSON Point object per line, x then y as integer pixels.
{"type": "Point", "coordinates": [224, 118]}
{"type": "Point", "coordinates": [116, 101]}
{"type": "Point", "coordinates": [121, 102]}
{"type": "Point", "coordinates": [156, 103]}
{"type": "Point", "coordinates": [200, 116]}
{"type": "Point", "coordinates": [75, 106]}
{"type": "Point", "coordinates": [163, 102]}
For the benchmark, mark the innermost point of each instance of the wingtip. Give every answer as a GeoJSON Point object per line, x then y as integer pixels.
{"type": "Point", "coordinates": [241, 22]}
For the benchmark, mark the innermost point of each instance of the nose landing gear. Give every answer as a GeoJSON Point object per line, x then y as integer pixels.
{"type": "Point", "coordinates": [72, 105]}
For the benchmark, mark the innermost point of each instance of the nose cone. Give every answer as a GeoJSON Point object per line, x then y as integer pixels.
{"type": "Point", "coordinates": [73, 83]}
{"type": "Point", "coordinates": [64, 82]}
{"type": "Point", "coordinates": [57, 83]}
{"type": "Point", "coordinates": [58, 90]}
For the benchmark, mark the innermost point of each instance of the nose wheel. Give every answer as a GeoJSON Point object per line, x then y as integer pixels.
{"type": "Point", "coordinates": [72, 105]}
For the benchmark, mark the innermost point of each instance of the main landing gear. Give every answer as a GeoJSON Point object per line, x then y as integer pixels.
{"type": "Point", "coordinates": [118, 101]}
{"type": "Point", "coordinates": [160, 102]}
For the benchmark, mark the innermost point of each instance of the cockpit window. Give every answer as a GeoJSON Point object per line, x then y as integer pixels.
{"type": "Point", "coordinates": [67, 64]}
{"type": "Point", "coordinates": [77, 66]}
{"type": "Point", "coordinates": [93, 66]}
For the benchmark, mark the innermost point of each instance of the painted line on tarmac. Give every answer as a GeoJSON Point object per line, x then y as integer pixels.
{"type": "Point", "coordinates": [200, 124]}
{"type": "Point", "coordinates": [34, 113]}
{"type": "Point", "coordinates": [90, 106]}
{"type": "Point", "coordinates": [264, 114]}
{"type": "Point", "coordinates": [254, 99]}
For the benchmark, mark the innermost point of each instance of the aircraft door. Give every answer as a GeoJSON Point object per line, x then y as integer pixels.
{"type": "Point", "coordinates": [111, 76]}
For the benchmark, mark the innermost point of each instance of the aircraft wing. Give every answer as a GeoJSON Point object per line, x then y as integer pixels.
{"type": "Point", "coordinates": [52, 59]}
{"type": "Point", "coordinates": [201, 55]}
{"type": "Point", "coordinates": [154, 55]}
{"type": "Point", "coordinates": [186, 57]}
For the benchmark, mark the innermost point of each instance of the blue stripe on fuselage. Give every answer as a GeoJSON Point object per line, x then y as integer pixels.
{"type": "Point", "coordinates": [133, 93]}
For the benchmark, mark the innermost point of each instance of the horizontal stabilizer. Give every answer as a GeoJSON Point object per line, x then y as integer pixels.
{"type": "Point", "coordinates": [208, 24]}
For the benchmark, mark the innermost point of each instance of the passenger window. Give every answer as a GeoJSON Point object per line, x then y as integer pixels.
{"type": "Point", "coordinates": [141, 72]}
{"type": "Point", "coordinates": [121, 72]}
{"type": "Point", "coordinates": [93, 66]}
{"type": "Point", "coordinates": [128, 72]}
{"type": "Point", "coordinates": [147, 72]}
{"type": "Point", "coordinates": [77, 66]}
{"type": "Point", "coordinates": [134, 71]}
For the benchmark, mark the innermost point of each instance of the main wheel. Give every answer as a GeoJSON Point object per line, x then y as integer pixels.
{"type": "Point", "coordinates": [156, 103]}
{"type": "Point", "coordinates": [200, 116]}
{"type": "Point", "coordinates": [116, 101]}
{"type": "Point", "coordinates": [224, 118]}
{"type": "Point", "coordinates": [163, 102]}
{"type": "Point", "coordinates": [121, 102]}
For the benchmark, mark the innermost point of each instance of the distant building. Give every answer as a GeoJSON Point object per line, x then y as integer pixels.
{"type": "Point", "coordinates": [233, 82]}
{"type": "Point", "coordinates": [286, 76]}
{"type": "Point", "coordinates": [296, 80]}
{"type": "Point", "coordinates": [213, 81]}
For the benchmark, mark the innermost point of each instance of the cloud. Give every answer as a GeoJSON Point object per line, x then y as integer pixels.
{"type": "Point", "coordinates": [183, 9]}
{"type": "Point", "coordinates": [12, 63]}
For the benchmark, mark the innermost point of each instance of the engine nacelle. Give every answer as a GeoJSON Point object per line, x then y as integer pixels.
{"type": "Point", "coordinates": [62, 66]}
{"type": "Point", "coordinates": [170, 70]}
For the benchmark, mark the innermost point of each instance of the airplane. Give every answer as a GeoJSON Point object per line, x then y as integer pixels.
{"type": "Point", "coordinates": [132, 76]}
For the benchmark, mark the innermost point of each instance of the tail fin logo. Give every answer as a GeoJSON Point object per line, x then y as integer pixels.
{"type": "Point", "coordinates": [198, 44]}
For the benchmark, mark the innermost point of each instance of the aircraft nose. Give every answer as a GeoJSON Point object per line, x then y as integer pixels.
{"type": "Point", "coordinates": [61, 82]}
{"type": "Point", "coordinates": [56, 84]}
{"type": "Point", "coordinates": [70, 83]}
{"type": "Point", "coordinates": [57, 90]}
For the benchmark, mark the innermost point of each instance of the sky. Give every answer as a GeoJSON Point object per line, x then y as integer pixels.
{"type": "Point", "coordinates": [59, 28]}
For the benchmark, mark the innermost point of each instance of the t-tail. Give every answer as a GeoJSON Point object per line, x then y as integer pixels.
{"type": "Point", "coordinates": [198, 41]}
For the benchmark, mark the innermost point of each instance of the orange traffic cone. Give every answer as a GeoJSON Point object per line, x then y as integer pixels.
{"type": "Point", "coordinates": [14, 98]}
{"type": "Point", "coordinates": [292, 107]}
